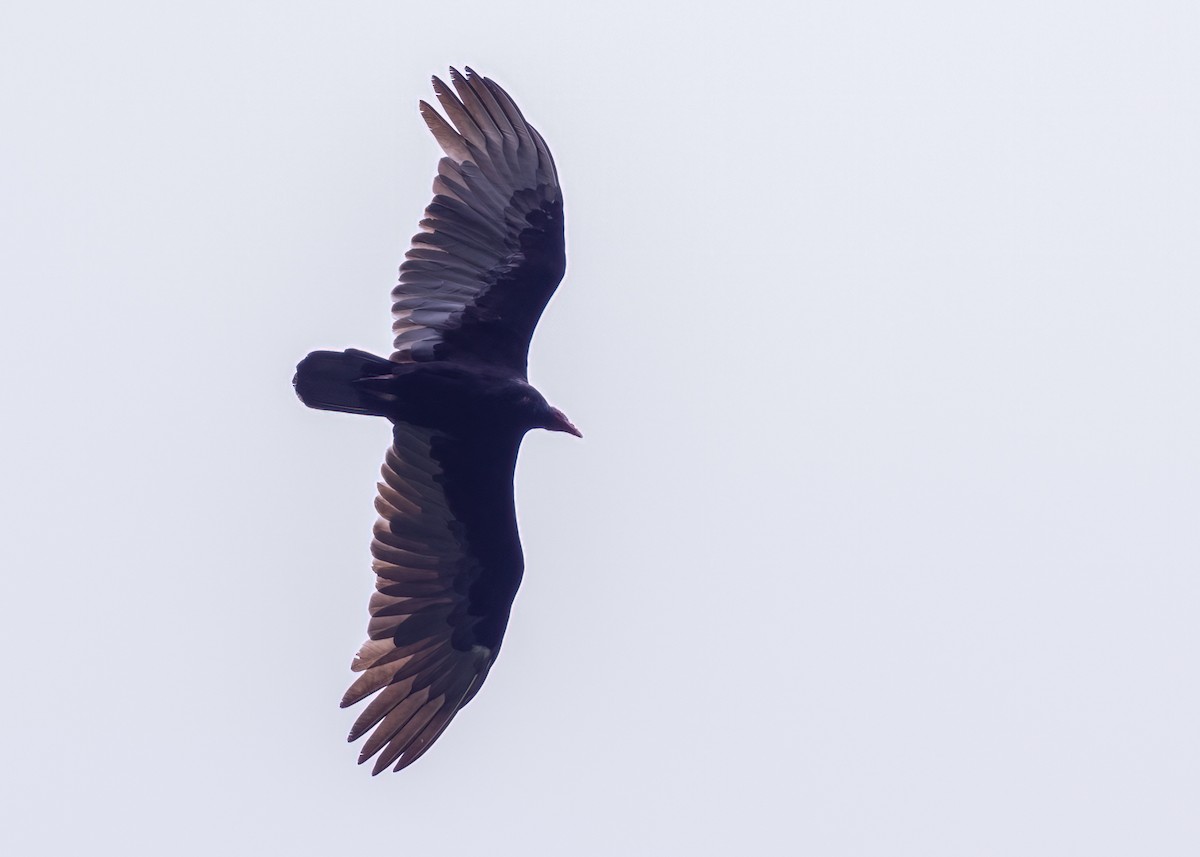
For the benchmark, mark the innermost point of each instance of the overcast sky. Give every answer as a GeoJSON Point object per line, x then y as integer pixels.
{"type": "Point", "coordinates": [882, 324]}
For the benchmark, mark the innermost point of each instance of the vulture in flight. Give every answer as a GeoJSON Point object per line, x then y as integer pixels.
{"type": "Point", "coordinates": [447, 556]}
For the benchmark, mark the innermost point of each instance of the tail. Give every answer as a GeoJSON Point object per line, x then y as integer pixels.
{"type": "Point", "coordinates": [326, 380]}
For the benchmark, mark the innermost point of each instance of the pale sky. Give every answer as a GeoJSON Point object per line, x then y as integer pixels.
{"type": "Point", "coordinates": [880, 321]}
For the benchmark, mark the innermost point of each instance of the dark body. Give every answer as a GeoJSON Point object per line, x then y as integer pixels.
{"type": "Point", "coordinates": [459, 399]}
{"type": "Point", "coordinates": [447, 554]}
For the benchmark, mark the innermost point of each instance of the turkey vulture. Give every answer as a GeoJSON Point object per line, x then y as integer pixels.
{"type": "Point", "coordinates": [447, 556]}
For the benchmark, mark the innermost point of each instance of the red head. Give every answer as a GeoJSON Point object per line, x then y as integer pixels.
{"type": "Point", "coordinates": [558, 422]}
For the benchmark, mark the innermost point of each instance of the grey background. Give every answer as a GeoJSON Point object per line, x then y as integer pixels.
{"type": "Point", "coordinates": [881, 325]}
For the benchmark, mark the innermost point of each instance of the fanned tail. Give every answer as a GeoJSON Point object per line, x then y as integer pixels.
{"type": "Point", "coordinates": [328, 380]}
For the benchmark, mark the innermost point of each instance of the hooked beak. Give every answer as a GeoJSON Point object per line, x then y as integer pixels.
{"type": "Point", "coordinates": [561, 423]}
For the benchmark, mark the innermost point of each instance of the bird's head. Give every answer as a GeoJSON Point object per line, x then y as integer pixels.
{"type": "Point", "coordinates": [556, 420]}
{"type": "Point", "coordinates": [536, 412]}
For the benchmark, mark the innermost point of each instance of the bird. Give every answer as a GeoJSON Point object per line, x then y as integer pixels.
{"type": "Point", "coordinates": [446, 551]}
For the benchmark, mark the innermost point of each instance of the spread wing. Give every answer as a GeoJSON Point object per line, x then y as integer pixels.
{"type": "Point", "coordinates": [448, 563]}
{"type": "Point", "coordinates": [490, 253]}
